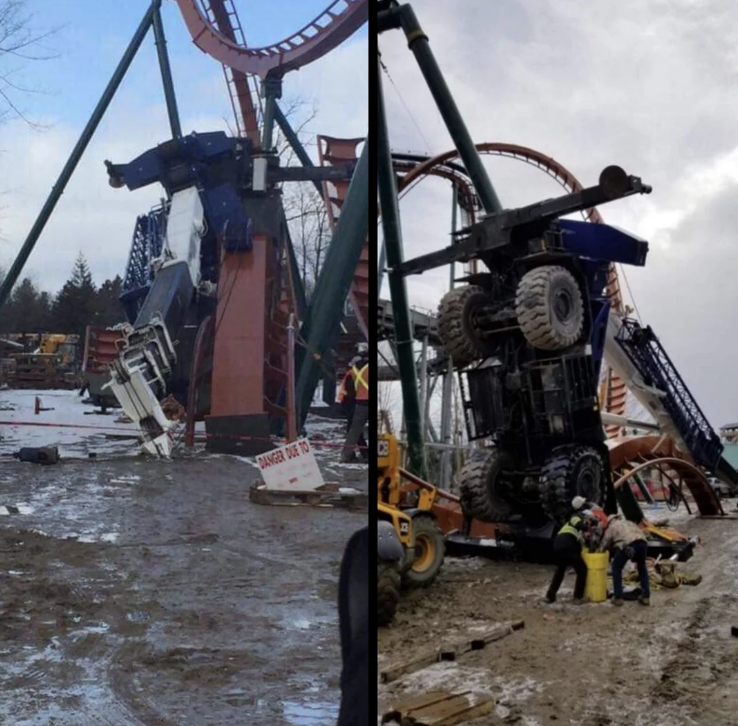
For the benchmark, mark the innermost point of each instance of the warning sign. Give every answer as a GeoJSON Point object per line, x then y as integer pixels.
{"type": "Point", "coordinates": [292, 467]}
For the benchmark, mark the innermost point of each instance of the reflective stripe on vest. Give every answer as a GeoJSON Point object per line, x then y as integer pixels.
{"type": "Point", "coordinates": [361, 382]}
{"type": "Point", "coordinates": [570, 527]}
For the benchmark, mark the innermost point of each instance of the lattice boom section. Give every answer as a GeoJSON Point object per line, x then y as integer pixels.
{"type": "Point", "coordinates": [647, 354]}
{"type": "Point", "coordinates": [146, 245]}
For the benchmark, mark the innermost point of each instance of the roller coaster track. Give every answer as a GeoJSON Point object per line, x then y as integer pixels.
{"type": "Point", "coordinates": [320, 36]}
{"type": "Point", "coordinates": [415, 167]}
{"type": "Point", "coordinates": [222, 14]}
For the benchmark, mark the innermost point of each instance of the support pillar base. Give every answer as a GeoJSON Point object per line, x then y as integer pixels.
{"type": "Point", "coordinates": [245, 435]}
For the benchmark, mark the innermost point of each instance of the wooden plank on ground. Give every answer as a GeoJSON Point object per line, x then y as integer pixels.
{"type": "Point", "coordinates": [393, 672]}
{"type": "Point", "coordinates": [480, 641]}
{"type": "Point", "coordinates": [449, 652]}
{"type": "Point", "coordinates": [425, 699]}
{"type": "Point", "coordinates": [440, 708]}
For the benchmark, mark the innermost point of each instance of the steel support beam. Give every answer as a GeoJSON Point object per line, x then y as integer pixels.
{"type": "Point", "coordinates": [297, 284]}
{"type": "Point", "coordinates": [389, 207]}
{"type": "Point", "coordinates": [403, 16]}
{"type": "Point", "coordinates": [166, 75]}
{"type": "Point", "coordinates": [58, 189]}
{"type": "Point", "coordinates": [448, 379]}
{"type": "Point", "coordinates": [271, 89]}
{"type": "Point", "coordinates": [294, 141]}
{"type": "Point", "coordinates": [325, 311]}
{"type": "Point", "coordinates": [380, 267]}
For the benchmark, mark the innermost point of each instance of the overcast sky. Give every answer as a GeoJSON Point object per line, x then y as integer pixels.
{"type": "Point", "coordinates": [92, 35]}
{"type": "Point", "coordinates": [650, 86]}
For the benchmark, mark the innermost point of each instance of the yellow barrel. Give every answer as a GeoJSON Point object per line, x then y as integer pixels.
{"type": "Point", "coordinates": [596, 590]}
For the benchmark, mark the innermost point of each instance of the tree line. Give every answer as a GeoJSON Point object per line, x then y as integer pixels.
{"type": "Point", "coordinates": [78, 304]}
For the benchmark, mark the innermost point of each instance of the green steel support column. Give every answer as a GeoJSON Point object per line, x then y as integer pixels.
{"type": "Point", "coordinates": [166, 75]}
{"type": "Point", "coordinates": [58, 189]}
{"type": "Point", "coordinates": [325, 311]}
{"type": "Point", "coordinates": [641, 484]}
{"type": "Point", "coordinates": [294, 141]}
{"type": "Point", "coordinates": [271, 89]}
{"type": "Point", "coordinates": [389, 207]}
{"type": "Point", "coordinates": [418, 44]}
{"type": "Point", "coordinates": [380, 267]}
{"type": "Point", "coordinates": [297, 284]}
{"type": "Point", "coordinates": [448, 378]}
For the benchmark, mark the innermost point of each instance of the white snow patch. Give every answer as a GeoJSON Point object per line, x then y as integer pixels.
{"type": "Point", "coordinates": [75, 433]}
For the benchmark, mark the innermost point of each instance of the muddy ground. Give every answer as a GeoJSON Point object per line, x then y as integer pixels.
{"type": "Point", "coordinates": [136, 592]}
{"type": "Point", "coordinates": [673, 664]}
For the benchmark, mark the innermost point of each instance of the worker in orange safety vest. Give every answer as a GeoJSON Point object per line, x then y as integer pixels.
{"type": "Point", "coordinates": [354, 396]}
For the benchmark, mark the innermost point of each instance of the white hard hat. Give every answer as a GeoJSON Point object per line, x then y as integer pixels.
{"type": "Point", "coordinates": [578, 502]}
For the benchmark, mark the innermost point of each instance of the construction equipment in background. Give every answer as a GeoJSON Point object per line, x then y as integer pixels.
{"type": "Point", "coordinates": [41, 372]}
{"type": "Point", "coordinates": [47, 361]}
{"type": "Point", "coordinates": [59, 344]}
{"type": "Point", "coordinates": [409, 511]}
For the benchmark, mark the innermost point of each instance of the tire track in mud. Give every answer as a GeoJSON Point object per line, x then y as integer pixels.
{"type": "Point", "coordinates": [120, 677]}
{"type": "Point", "coordinates": [699, 682]}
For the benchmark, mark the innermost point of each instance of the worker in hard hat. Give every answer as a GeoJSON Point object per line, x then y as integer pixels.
{"type": "Point", "coordinates": [347, 399]}
{"type": "Point", "coordinates": [567, 547]}
{"type": "Point", "coordinates": [626, 541]}
{"type": "Point", "coordinates": [359, 373]}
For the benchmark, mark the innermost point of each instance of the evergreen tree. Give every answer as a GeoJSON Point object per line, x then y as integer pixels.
{"type": "Point", "coordinates": [109, 309]}
{"type": "Point", "coordinates": [27, 310]}
{"type": "Point", "coordinates": [75, 306]}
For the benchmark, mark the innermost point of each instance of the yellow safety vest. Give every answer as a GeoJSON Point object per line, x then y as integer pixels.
{"type": "Point", "coordinates": [361, 382]}
{"type": "Point", "coordinates": [571, 527]}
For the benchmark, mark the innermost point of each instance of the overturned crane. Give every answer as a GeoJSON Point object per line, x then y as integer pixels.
{"type": "Point", "coordinates": [201, 174]}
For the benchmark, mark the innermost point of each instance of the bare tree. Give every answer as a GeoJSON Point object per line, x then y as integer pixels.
{"type": "Point", "coordinates": [305, 209]}
{"type": "Point", "coordinates": [19, 42]}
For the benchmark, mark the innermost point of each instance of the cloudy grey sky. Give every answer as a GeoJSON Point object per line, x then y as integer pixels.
{"type": "Point", "coordinates": [650, 86]}
{"type": "Point", "coordinates": [92, 34]}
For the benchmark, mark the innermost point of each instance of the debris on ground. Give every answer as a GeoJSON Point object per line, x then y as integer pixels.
{"type": "Point", "coordinates": [439, 708]}
{"type": "Point", "coordinates": [672, 663]}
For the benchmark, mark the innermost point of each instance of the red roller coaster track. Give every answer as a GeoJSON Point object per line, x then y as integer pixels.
{"type": "Point", "coordinates": [320, 36]}
{"type": "Point", "coordinates": [614, 396]}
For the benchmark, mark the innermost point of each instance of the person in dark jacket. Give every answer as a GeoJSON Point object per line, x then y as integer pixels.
{"type": "Point", "coordinates": [356, 389]}
{"type": "Point", "coordinates": [567, 548]}
{"type": "Point", "coordinates": [353, 612]}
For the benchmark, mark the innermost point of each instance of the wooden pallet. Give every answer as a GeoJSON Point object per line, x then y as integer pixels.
{"type": "Point", "coordinates": [328, 496]}
{"type": "Point", "coordinates": [439, 708]}
{"type": "Point", "coordinates": [449, 652]}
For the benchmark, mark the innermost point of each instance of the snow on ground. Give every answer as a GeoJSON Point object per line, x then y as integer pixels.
{"type": "Point", "coordinates": [70, 424]}
{"type": "Point", "coordinates": [78, 432]}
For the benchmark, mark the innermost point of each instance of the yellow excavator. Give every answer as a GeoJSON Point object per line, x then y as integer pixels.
{"type": "Point", "coordinates": [410, 544]}
{"type": "Point", "coordinates": [59, 344]}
